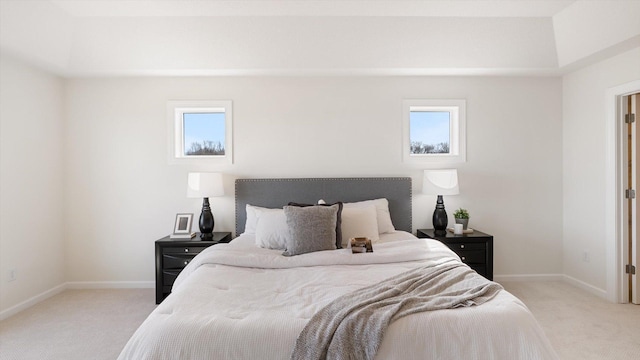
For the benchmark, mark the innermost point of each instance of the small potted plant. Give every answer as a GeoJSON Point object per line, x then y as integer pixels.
{"type": "Point", "coordinates": [462, 217]}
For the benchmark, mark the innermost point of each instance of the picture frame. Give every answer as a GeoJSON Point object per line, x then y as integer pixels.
{"type": "Point", "coordinates": [183, 224]}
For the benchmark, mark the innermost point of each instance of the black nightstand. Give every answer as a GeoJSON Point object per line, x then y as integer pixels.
{"type": "Point", "coordinates": [172, 255]}
{"type": "Point", "coordinates": [475, 249]}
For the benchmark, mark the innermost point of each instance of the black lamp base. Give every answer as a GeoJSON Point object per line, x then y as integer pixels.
{"type": "Point", "coordinates": [440, 219]}
{"type": "Point", "coordinates": [206, 236]}
{"type": "Point", "coordinates": [206, 221]}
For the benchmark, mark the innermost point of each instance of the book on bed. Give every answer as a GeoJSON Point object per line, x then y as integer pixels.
{"type": "Point", "coordinates": [361, 245]}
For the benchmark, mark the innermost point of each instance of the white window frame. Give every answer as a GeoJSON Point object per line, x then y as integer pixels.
{"type": "Point", "coordinates": [175, 112]}
{"type": "Point", "coordinates": [457, 126]}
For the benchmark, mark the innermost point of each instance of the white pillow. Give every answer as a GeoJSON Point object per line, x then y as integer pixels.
{"type": "Point", "coordinates": [251, 222]}
{"type": "Point", "coordinates": [382, 213]}
{"type": "Point", "coordinates": [272, 230]}
{"type": "Point", "coordinates": [252, 219]}
{"type": "Point", "coordinates": [359, 221]}
{"type": "Point", "coordinates": [397, 235]}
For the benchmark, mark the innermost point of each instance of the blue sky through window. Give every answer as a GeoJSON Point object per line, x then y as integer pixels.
{"type": "Point", "coordinates": [202, 128]}
{"type": "Point", "coordinates": [429, 127]}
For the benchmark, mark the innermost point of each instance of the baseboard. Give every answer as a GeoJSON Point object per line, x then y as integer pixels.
{"type": "Point", "coordinates": [31, 301]}
{"type": "Point", "coordinates": [524, 277]}
{"type": "Point", "coordinates": [586, 287]}
{"type": "Point", "coordinates": [111, 285]}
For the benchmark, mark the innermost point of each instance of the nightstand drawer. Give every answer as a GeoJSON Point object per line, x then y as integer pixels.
{"type": "Point", "coordinates": [183, 250]}
{"type": "Point", "coordinates": [169, 276]}
{"type": "Point", "coordinates": [166, 289]}
{"type": "Point", "coordinates": [176, 261]}
{"type": "Point", "coordinates": [466, 246]}
{"type": "Point", "coordinates": [472, 256]}
{"type": "Point", "coordinates": [482, 270]}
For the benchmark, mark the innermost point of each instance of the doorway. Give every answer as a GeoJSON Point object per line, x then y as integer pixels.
{"type": "Point", "coordinates": [630, 216]}
{"type": "Point", "coordinates": [617, 230]}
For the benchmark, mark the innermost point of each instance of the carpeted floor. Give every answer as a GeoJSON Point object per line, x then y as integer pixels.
{"type": "Point", "coordinates": [95, 324]}
{"type": "Point", "coordinates": [581, 325]}
{"type": "Point", "coordinates": [75, 325]}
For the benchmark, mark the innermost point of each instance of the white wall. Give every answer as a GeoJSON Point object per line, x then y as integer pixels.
{"type": "Point", "coordinates": [584, 168]}
{"type": "Point", "coordinates": [31, 182]}
{"type": "Point", "coordinates": [122, 194]}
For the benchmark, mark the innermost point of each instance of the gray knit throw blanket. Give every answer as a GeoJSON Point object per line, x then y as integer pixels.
{"type": "Point", "coordinates": [352, 326]}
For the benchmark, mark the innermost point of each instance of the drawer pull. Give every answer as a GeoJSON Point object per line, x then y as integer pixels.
{"type": "Point", "coordinates": [463, 258]}
{"type": "Point", "coordinates": [186, 249]}
{"type": "Point", "coordinates": [186, 262]}
{"type": "Point", "coordinates": [462, 246]}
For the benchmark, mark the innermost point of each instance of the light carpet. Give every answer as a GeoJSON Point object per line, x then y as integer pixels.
{"type": "Point", "coordinates": [581, 325]}
{"type": "Point", "coordinates": [96, 324]}
{"type": "Point", "coordinates": [76, 324]}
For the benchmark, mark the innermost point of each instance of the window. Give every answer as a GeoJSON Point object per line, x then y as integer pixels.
{"type": "Point", "coordinates": [434, 131]}
{"type": "Point", "coordinates": [200, 131]}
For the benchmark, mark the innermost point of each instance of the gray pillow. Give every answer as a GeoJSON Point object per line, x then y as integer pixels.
{"type": "Point", "coordinates": [338, 220]}
{"type": "Point", "coordinates": [311, 229]}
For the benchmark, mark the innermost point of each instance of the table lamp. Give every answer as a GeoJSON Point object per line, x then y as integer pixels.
{"type": "Point", "coordinates": [205, 185]}
{"type": "Point", "coordinates": [440, 182]}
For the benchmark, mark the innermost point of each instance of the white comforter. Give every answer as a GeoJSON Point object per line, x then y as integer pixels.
{"type": "Point", "coordinates": [238, 301]}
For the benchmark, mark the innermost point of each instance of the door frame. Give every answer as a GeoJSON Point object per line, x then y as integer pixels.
{"type": "Point", "coordinates": [616, 254]}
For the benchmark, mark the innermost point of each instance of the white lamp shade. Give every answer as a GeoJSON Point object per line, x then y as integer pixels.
{"type": "Point", "coordinates": [204, 185]}
{"type": "Point", "coordinates": [440, 182]}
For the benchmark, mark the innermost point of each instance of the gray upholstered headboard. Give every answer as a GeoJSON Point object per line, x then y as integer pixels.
{"type": "Point", "coordinates": [276, 193]}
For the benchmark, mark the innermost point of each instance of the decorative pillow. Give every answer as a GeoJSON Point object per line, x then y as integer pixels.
{"type": "Point", "coordinates": [359, 221]}
{"type": "Point", "coordinates": [271, 231]}
{"type": "Point", "coordinates": [311, 228]}
{"type": "Point", "coordinates": [251, 223]}
{"type": "Point", "coordinates": [338, 219]}
{"type": "Point", "coordinates": [382, 213]}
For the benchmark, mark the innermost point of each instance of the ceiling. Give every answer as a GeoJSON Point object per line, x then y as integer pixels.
{"type": "Point", "coordinates": [316, 37]}
{"type": "Point", "coordinates": [178, 8]}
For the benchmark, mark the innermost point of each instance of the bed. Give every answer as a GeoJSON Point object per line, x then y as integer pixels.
{"type": "Point", "coordinates": [246, 300]}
